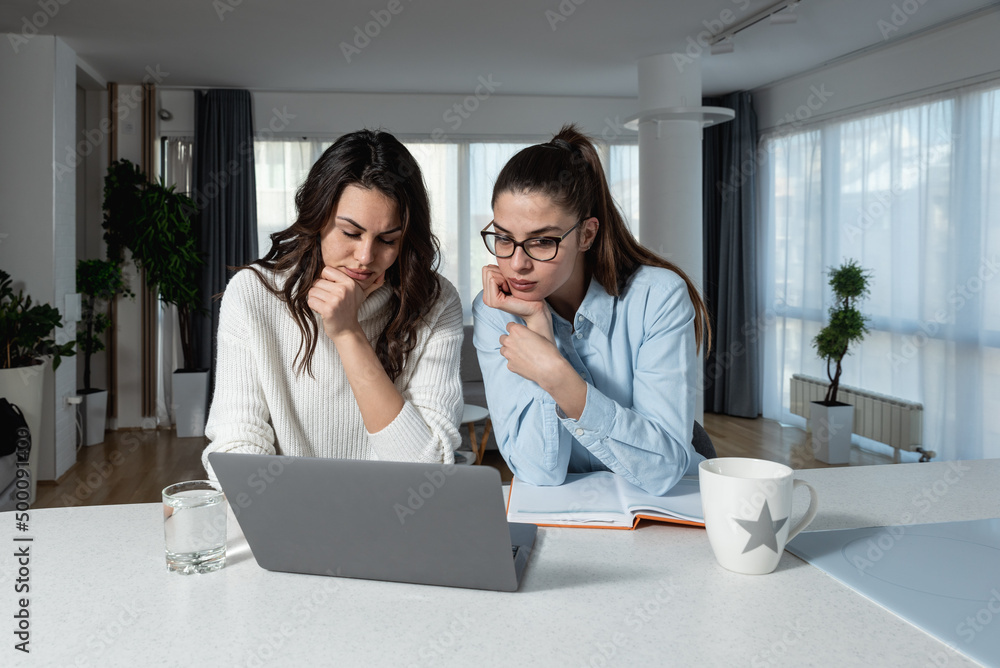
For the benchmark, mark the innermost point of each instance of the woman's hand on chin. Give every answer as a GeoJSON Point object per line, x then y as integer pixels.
{"type": "Point", "coordinates": [336, 297]}
{"type": "Point", "coordinates": [497, 294]}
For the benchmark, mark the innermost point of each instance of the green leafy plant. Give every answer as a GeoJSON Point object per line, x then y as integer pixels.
{"type": "Point", "coordinates": [154, 223]}
{"type": "Point", "coordinates": [847, 324]}
{"type": "Point", "coordinates": [99, 281]}
{"type": "Point", "coordinates": [26, 329]}
{"type": "Point", "coordinates": [124, 184]}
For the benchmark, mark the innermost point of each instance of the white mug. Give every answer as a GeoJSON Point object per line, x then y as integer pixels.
{"type": "Point", "coordinates": [748, 506]}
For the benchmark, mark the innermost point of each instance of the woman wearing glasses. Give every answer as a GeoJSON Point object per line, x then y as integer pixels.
{"type": "Point", "coordinates": [587, 340]}
{"type": "Point", "coordinates": [343, 341]}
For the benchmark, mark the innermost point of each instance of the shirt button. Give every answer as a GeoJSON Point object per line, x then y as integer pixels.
{"type": "Point", "coordinates": [579, 335]}
{"type": "Point", "coordinates": [579, 432]}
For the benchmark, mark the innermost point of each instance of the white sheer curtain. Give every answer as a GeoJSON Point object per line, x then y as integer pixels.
{"type": "Point", "coordinates": [912, 193]}
{"type": "Point", "coordinates": [439, 164]}
{"type": "Point", "coordinates": [621, 166]}
{"type": "Point", "coordinates": [280, 168]}
{"type": "Point", "coordinates": [484, 164]}
{"type": "Point", "coordinates": [459, 178]}
{"type": "Point", "coordinates": [175, 167]}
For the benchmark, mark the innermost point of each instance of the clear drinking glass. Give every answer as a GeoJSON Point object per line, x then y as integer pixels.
{"type": "Point", "coordinates": [194, 526]}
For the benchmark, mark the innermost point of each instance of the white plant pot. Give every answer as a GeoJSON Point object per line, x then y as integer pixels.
{"type": "Point", "coordinates": [190, 390]}
{"type": "Point", "coordinates": [94, 413]}
{"type": "Point", "coordinates": [831, 428]}
{"type": "Point", "coordinates": [23, 388]}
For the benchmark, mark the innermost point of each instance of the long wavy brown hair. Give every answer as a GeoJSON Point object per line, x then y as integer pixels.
{"type": "Point", "coordinates": [569, 172]}
{"type": "Point", "coordinates": [374, 160]}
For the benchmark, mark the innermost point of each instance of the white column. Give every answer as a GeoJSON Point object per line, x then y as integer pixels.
{"type": "Point", "coordinates": [670, 162]}
{"type": "Point", "coordinates": [38, 231]}
{"type": "Point", "coordinates": [670, 122]}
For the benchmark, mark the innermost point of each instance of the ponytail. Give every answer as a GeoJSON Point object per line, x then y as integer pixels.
{"type": "Point", "coordinates": [568, 170]}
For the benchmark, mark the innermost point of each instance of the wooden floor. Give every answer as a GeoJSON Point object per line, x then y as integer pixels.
{"type": "Point", "coordinates": [129, 467]}
{"type": "Point", "coordinates": [135, 466]}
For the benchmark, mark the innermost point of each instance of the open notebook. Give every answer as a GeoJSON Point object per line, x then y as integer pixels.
{"type": "Point", "coordinates": [602, 500]}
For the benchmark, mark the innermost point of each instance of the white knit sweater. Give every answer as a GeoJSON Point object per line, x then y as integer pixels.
{"type": "Point", "coordinates": [261, 406]}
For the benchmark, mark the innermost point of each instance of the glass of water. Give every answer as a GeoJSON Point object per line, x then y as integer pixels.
{"type": "Point", "coordinates": [194, 526]}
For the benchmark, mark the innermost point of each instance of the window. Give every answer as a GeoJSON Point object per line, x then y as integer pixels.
{"type": "Point", "coordinates": [176, 156]}
{"type": "Point", "coordinates": [912, 193]}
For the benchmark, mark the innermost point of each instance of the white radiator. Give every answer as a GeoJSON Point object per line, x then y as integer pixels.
{"type": "Point", "coordinates": [881, 418]}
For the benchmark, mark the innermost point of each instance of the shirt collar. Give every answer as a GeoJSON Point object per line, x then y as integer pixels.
{"type": "Point", "coordinates": [597, 307]}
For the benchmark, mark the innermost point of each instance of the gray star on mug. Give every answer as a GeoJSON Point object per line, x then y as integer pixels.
{"type": "Point", "coordinates": [763, 530]}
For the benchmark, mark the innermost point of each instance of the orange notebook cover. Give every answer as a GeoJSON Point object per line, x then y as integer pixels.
{"type": "Point", "coordinates": [602, 500]}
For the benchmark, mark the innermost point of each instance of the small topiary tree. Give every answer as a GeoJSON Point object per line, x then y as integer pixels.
{"type": "Point", "coordinates": [847, 324]}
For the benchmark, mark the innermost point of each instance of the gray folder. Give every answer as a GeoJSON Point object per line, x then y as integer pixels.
{"type": "Point", "coordinates": [943, 578]}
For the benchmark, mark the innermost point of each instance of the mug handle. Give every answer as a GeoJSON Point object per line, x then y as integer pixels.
{"type": "Point", "coordinates": [810, 513]}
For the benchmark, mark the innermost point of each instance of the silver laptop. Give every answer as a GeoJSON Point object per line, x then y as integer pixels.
{"type": "Point", "coordinates": [424, 523]}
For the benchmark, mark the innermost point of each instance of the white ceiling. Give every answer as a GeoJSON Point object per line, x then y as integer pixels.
{"type": "Point", "coordinates": [442, 46]}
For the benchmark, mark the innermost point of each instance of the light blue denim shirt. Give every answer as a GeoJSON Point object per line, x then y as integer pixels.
{"type": "Point", "coordinates": [637, 354]}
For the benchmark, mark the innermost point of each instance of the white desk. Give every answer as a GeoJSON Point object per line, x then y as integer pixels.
{"type": "Point", "coordinates": [100, 596]}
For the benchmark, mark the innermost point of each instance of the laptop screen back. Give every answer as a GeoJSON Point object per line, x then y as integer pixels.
{"type": "Point", "coordinates": [406, 522]}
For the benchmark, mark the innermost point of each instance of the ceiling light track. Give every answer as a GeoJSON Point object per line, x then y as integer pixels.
{"type": "Point", "coordinates": [757, 18]}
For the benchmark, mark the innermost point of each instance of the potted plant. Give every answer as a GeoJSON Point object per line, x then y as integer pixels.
{"type": "Point", "coordinates": [154, 222]}
{"type": "Point", "coordinates": [832, 421]}
{"type": "Point", "coordinates": [99, 281]}
{"type": "Point", "coordinates": [123, 187]}
{"type": "Point", "coordinates": [165, 248]}
{"type": "Point", "coordinates": [26, 329]}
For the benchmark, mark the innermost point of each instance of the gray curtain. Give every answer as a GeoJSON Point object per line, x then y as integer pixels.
{"type": "Point", "coordinates": [225, 190]}
{"type": "Point", "coordinates": [732, 369]}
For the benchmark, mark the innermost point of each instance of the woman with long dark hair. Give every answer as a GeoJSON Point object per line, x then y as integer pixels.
{"type": "Point", "coordinates": [587, 340]}
{"type": "Point", "coordinates": [343, 341]}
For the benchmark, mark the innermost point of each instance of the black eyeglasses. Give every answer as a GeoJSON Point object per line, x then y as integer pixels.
{"type": "Point", "coordinates": [540, 249]}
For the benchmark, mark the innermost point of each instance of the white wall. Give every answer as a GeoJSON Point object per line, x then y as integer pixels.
{"type": "Point", "coordinates": [26, 154]}
{"type": "Point", "coordinates": [411, 117]}
{"type": "Point", "coordinates": [64, 259]}
{"type": "Point", "coordinates": [38, 249]}
{"type": "Point", "coordinates": [934, 60]}
{"type": "Point", "coordinates": [90, 234]}
{"type": "Point", "coordinates": [129, 362]}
